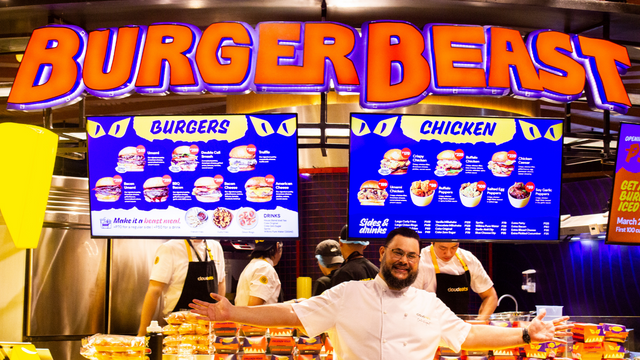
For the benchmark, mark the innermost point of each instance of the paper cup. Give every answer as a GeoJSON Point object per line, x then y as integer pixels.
{"type": "Point", "coordinates": [470, 202]}
{"type": "Point", "coordinates": [519, 203]}
{"type": "Point", "coordinates": [422, 200]}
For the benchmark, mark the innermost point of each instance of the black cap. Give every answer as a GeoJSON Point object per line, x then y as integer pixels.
{"type": "Point", "coordinates": [330, 252]}
{"type": "Point", "coordinates": [343, 232]}
{"type": "Point", "coordinates": [262, 245]}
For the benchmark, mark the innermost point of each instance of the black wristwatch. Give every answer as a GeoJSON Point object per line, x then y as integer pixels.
{"type": "Point", "coordinates": [525, 336]}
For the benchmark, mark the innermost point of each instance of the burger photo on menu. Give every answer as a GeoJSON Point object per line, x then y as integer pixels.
{"type": "Point", "coordinates": [129, 159]}
{"type": "Point", "coordinates": [421, 195]}
{"type": "Point", "coordinates": [394, 162]}
{"type": "Point", "coordinates": [183, 160]}
{"type": "Point", "coordinates": [107, 190]}
{"type": "Point", "coordinates": [155, 190]}
{"type": "Point", "coordinates": [519, 195]}
{"type": "Point", "coordinates": [448, 164]}
{"type": "Point", "coordinates": [205, 189]}
{"type": "Point", "coordinates": [371, 194]}
{"type": "Point", "coordinates": [470, 195]}
{"type": "Point", "coordinates": [500, 165]}
{"type": "Point", "coordinates": [258, 190]}
{"type": "Point", "coordinates": [242, 160]}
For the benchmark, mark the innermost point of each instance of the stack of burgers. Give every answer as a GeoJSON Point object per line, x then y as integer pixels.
{"type": "Point", "coordinates": [254, 344]}
{"type": "Point", "coordinates": [186, 334]}
{"type": "Point", "coordinates": [309, 348]}
{"type": "Point", "coordinates": [113, 347]}
{"type": "Point", "coordinates": [226, 342]}
{"type": "Point", "coordinates": [598, 341]}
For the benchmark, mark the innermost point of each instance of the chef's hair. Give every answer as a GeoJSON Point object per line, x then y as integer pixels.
{"type": "Point", "coordinates": [402, 231]}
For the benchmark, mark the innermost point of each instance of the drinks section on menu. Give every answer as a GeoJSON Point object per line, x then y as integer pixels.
{"type": "Point", "coordinates": [455, 177]}
{"type": "Point", "coordinates": [217, 176]}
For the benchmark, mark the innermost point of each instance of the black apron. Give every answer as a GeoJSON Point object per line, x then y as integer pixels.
{"type": "Point", "coordinates": [201, 280]}
{"type": "Point", "coordinates": [453, 290]}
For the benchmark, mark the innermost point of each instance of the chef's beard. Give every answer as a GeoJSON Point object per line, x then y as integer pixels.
{"type": "Point", "coordinates": [392, 281]}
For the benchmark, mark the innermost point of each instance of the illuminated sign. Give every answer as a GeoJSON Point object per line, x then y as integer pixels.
{"type": "Point", "coordinates": [624, 217]}
{"type": "Point", "coordinates": [391, 64]}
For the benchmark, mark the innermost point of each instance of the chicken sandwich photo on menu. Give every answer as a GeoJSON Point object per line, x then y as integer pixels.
{"type": "Point", "coordinates": [155, 190]}
{"type": "Point", "coordinates": [240, 159]}
{"type": "Point", "coordinates": [129, 159]}
{"type": "Point", "coordinates": [258, 189]}
{"type": "Point", "coordinates": [206, 190]}
{"type": "Point", "coordinates": [421, 195]}
{"type": "Point", "coordinates": [470, 195]}
{"type": "Point", "coordinates": [107, 190]}
{"type": "Point", "coordinates": [500, 164]}
{"type": "Point", "coordinates": [448, 164]}
{"type": "Point", "coordinates": [394, 163]}
{"type": "Point", "coordinates": [184, 159]}
{"type": "Point", "coordinates": [519, 195]}
{"type": "Point", "coordinates": [371, 194]}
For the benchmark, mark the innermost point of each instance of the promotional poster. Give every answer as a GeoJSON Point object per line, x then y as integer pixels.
{"type": "Point", "coordinates": [456, 178]}
{"type": "Point", "coordinates": [624, 217]}
{"type": "Point", "coordinates": [213, 176]}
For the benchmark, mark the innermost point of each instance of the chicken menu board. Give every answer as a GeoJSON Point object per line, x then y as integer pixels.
{"type": "Point", "coordinates": [624, 217]}
{"type": "Point", "coordinates": [456, 178]}
{"type": "Point", "coordinates": [217, 176]}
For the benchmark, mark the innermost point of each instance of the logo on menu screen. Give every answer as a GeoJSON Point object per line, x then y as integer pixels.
{"type": "Point", "coordinates": [105, 223]}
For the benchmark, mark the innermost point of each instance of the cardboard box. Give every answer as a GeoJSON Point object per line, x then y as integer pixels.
{"type": "Point", "coordinates": [254, 357]}
{"type": "Point", "coordinates": [226, 345]}
{"type": "Point", "coordinates": [307, 345]}
{"type": "Point", "coordinates": [613, 350]}
{"type": "Point", "coordinates": [248, 330]}
{"type": "Point", "coordinates": [226, 329]}
{"type": "Point", "coordinates": [282, 345]}
{"type": "Point", "coordinates": [588, 333]}
{"type": "Point", "coordinates": [587, 351]}
{"type": "Point", "coordinates": [225, 357]}
{"type": "Point", "coordinates": [280, 332]}
{"type": "Point", "coordinates": [614, 332]}
{"type": "Point", "coordinates": [254, 345]}
{"type": "Point", "coordinates": [281, 357]}
{"type": "Point", "coordinates": [544, 350]}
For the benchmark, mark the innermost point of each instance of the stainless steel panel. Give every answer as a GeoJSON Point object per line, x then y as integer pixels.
{"type": "Point", "coordinates": [131, 263]}
{"type": "Point", "coordinates": [62, 350]}
{"type": "Point", "coordinates": [68, 282]}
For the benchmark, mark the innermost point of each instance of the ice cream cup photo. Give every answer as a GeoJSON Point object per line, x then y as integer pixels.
{"type": "Point", "coordinates": [422, 200]}
{"type": "Point", "coordinates": [519, 203]}
{"type": "Point", "coordinates": [470, 201]}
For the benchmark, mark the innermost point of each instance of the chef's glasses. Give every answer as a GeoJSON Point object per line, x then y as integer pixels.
{"type": "Point", "coordinates": [397, 254]}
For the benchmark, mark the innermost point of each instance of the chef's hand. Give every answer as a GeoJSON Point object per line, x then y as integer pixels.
{"type": "Point", "coordinates": [220, 311]}
{"type": "Point", "coordinates": [543, 331]}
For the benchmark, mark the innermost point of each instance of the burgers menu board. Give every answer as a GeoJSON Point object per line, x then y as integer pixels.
{"type": "Point", "coordinates": [462, 178]}
{"type": "Point", "coordinates": [217, 176]}
{"type": "Point", "coordinates": [624, 217]}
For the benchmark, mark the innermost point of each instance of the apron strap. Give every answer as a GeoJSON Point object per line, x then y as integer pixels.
{"type": "Point", "coordinates": [435, 261]}
{"type": "Point", "coordinates": [187, 244]}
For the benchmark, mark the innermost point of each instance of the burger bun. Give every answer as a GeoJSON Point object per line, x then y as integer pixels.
{"type": "Point", "coordinates": [240, 152]}
{"type": "Point", "coordinates": [105, 181]}
{"type": "Point", "coordinates": [370, 184]}
{"type": "Point", "coordinates": [395, 154]}
{"type": "Point", "coordinates": [500, 157]}
{"type": "Point", "coordinates": [207, 181]}
{"type": "Point", "coordinates": [447, 155]}
{"type": "Point", "coordinates": [129, 150]}
{"type": "Point", "coordinates": [154, 182]}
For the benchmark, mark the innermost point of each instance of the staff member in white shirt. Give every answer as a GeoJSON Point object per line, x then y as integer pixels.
{"type": "Point", "coordinates": [182, 269]}
{"type": "Point", "coordinates": [450, 272]}
{"type": "Point", "coordinates": [385, 319]}
{"type": "Point", "coordinates": [259, 282]}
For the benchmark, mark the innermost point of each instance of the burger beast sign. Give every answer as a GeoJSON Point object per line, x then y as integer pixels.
{"type": "Point", "coordinates": [390, 64]}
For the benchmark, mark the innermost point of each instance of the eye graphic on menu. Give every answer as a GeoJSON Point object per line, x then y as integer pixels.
{"type": "Point", "coordinates": [156, 189]}
{"type": "Point", "coordinates": [372, 192]}
{"type": "Point", "coordinates": [471, 193]}
{"type": "Point", "coordinates": [131, 159]}
{"type": "Point", "coordinates": [519, 194]}
{"type": "Point", "coordinates": [242, 158]}
{"type": "Point", "coordinates": [501, 163]}
{"type": "Point", "coordinates": [395, 162]}
{"type": "Point", "coordinates": [422, 192]}
{"type": "Point", "coordinates": [108, 189]}
{"type": "Point", "coordinates": [184, 158]}
{"type": "Point", "coordinates": [207, 189]}
{"type": "Point", "coordinates": [259, 188]}
{"type": "Point", "coordinates": [449, 163]}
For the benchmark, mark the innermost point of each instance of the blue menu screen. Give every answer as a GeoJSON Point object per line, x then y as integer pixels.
{"type": "Point", "coordinates": [212, 176]}
{"type": "Point", "coordinates": [455, 178]}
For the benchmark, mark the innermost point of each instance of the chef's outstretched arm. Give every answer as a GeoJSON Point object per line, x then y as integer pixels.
{"type": "Point", "coordinates": [275, 315]}
{"type": "Point", "coordinates": [484, 337]}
